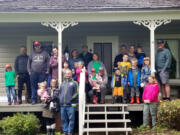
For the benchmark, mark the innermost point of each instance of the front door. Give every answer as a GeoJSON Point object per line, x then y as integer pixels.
{"type": "Point", "coordinates": [104, 50]}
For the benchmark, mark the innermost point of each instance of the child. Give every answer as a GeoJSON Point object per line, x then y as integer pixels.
{"type": "Point", "coordinates": [42, 92]}
{"type": "Point", "coordinates": [124, 67]}
{"type": "Point", "coordinates": [50, 111]}
{"type": "Point", "coordinates": [10, 77]}
{"type": "Point", "coordinates": [150, 98]}
{"type": "Point", "coordinates": [93, 80]}
{"type": "Point", "coordinates": [117, 87]}
{"type": "Point", "coordinates": [140, 57]}
{"type": "Point", "coordinates": [79, 69]}
{"type": "Point", "coordinates": [74, 75]}
{"type": "Point", "coordinates": [134, 81]}
{"type": "Point", "coordinates": [65, 68]}
{"type": "Point", "coordinates": [145, 71]}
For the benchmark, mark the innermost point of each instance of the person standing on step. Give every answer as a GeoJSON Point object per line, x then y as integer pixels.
{"type": "Point", "coordinates": [150, 99]}
{"type": "Point", "coordinates": [117, 87]}
{"type": "Point", "coordinates": [134, 81]}
{"type": "Point", "coordinates": [162, 64]}
{"type": "Point", "coordinates": [20, 67]}
{"type": "Point", "coordinates": [124, 67]}
{"type": "Point", "coordinates": [68, 99]}
{"type": "Point", "coordinates": [10, 77]}
{"type": "Point", "coordinates": [38, 68]}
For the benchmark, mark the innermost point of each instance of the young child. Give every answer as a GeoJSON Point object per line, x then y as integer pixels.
{"type": "Point", "coordinates": [43, 94]}
{"type": "Point", "coordinates": [79, 69]}
{"type": "Point", "coordinates": [93, 80]}
{"type": "Point", "coordinates": [50, 111]}
{"type": "Point", "coordinates": [10, 77]}
{"type": "Point", "coordinates": [124, 67]}
{"type": "Point", "coordinates": [134, 81]}
{"type": "Point", "coordinates": [140, 57]}
{"type": "Point", "coordinates": [150, 98]}
{"type": "Point", "coordinates": [117, 87]}
{"type": "Point", "coordinates": [145, 71]}
{"type": "Point", "coordinates": [74, 75]}
{"type": "Point", "coordinates": [65, 68]}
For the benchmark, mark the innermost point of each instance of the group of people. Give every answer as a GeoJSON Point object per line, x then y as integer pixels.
{"type": "Point", "coordinates": [132, 74]}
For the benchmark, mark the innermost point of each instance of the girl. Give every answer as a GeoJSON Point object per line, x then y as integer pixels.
{"type": "Point", "coordinates": [150, 99]}
{"type": "Point", "coordinates": [65, 68]}
{"type": "Point", "coordinates": [79, 69]}
{"type": "Point", "coordinates": [10, 77]}
{"type": "Point", "coordinates": [49, 113]}
{"type": "Point", "coordinates": [145, 71]}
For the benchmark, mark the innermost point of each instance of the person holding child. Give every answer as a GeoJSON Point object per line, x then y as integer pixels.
{"type": "Point", "coordinates": [52, 107]}
{"type": "Point", "coordinates": [10, 77]}
{"type": "Point", "coordinates": [117, 87]}
{"type": "Point", "coordinates": [134, 81]}
{"type": "Point", "coordinates": [150, 99]}
{"type": "Point", "coordinates": [94, 78]}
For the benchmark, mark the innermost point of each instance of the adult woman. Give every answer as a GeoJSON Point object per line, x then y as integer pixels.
{"type": "Point", "coordinates": [95, 63]}
{"type": "Point", "coordinates": [54, 63]}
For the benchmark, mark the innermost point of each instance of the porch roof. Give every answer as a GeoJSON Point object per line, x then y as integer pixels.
{"type": "Point", "coordinates": [86, 5]}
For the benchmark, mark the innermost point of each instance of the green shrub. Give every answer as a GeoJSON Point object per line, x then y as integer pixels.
{"type": "Point", "coordinates": [169, 114]}
{"type": "Point", "coordinates": [20, 124]}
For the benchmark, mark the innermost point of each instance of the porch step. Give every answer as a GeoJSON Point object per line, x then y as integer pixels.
{"type": "Point", "coordinates": [103, 113]}
{"type": "Point", "coordinates": [108, 121]}
{"type": "Point", "coordinates": [107, 129]}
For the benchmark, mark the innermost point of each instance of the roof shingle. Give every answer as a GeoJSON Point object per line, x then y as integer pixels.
{"type": "Point", "coordinates": [85, 5]}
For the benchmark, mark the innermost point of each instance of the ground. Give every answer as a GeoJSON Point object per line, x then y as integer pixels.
{"type": "Point", "coordinates": [155, 132]}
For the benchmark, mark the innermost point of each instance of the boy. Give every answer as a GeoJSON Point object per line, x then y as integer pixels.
{"type": "Point", "coordinates": [134, 80]}
{"type": "Point", "coordinates": [124, 67]}
{"type": "Point", "coordinates": [117, 87]}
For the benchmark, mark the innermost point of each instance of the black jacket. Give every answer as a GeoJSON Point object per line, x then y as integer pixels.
{"type": "Point", "coordinates": [20, 65]}
{"type": "Point", "coordinates": [118, 58]}
{"type": "Point", "coordinates": [87, 58]}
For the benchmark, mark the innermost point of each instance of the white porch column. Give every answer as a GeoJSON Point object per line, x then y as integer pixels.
{"type": "Point", "coordinates": [152, 25]}
{"type": "Point", "coordinates": [59, 27]}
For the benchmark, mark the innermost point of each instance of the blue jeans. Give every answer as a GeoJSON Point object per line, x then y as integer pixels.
{"type": "Point", "coordinates": [10, 90]}
{"type": "Point", "coordinates": [35, 79]}
{"type": "Point", "coordinates": [68, 118]}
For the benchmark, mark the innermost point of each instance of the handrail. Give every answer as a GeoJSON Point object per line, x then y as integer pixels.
{"type": "Point", "coordinates": [82, 101]}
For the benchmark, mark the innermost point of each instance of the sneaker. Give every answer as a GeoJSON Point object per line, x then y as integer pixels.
{"type": "Point", "coordinates": [16, 103]}
{"type": "Point", "coordinates": [20, 101]}
{"type": "Point", "coordinates": [9, 103]}
{"type": "Point", "coordinates": [33, 103]}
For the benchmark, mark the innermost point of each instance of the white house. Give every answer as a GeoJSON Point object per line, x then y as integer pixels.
{"type": "Point", "coordinates": [103, 25]}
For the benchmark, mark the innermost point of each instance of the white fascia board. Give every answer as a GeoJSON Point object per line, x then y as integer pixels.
{"type": "Point", "coordinates": [99, 16]}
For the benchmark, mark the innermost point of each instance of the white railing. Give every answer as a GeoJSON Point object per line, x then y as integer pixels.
{"type": "Point", "coordinates": [82, 102]}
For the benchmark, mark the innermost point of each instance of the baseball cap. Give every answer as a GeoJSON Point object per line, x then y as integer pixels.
{"type": "Point", "coordinates": [160, 41]}
{"type": "Point", "coordinates": [36, 43]}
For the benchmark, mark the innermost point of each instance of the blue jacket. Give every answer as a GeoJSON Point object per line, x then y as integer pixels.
{"type": "Point", "coordinates": [130, 78]}
{"type": "Point", "coordinates": [68, 93]}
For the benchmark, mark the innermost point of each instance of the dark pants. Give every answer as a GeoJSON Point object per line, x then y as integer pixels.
{"type": "Point", "coordinates": [35, 79]}
{"type": "Point", "coordinates": [24, 79]}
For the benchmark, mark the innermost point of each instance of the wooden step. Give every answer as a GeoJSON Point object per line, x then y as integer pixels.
{"type": "Point", "coordinates": [108, 121]}
{"type": "Point", "coordinates": [106, 105]}
{"type": "Point", "coordinates": [107, 129]}
{"type": "Point", "coordinates": [91, 113]}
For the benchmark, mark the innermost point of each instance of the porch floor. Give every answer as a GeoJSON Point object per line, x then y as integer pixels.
{"type": "Point", "coordinates": [38, 107]}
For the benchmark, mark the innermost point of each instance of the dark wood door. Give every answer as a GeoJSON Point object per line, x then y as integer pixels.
{"type": "Point", "coordinates": [104, 50]}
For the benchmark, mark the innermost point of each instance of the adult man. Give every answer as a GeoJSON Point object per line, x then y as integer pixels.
{"type": "Point", "coordinates": [85, 55]}
{"type": "Point", "coordinates": [162, 65]}
{"type": "Point", "coordinates": [20, 67]}
{"type": "Point", "coordinates": [119, 58]}
{"type": "Point", "coordinates": [68, 98]}
{"type": "Point", "coordinates": [38, 67]}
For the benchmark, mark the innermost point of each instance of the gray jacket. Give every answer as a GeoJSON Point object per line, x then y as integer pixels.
{"type": "Point", "coordinates": [163, 60]}
{"type": "Point", "coordinates": [38, 62]}
{"type": "Point", "coordinates": [68, 93]}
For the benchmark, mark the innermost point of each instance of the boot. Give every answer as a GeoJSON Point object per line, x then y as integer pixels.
{"type": "Point", "coordinates": [52, 131]}
{"type": "Point", "coordinates": [137, 100]}
{"type": "Point", "coordinates": [113, 100]}
{"type": "Point", "coordinates": [99, 97]}
{"type": "Point", "coordinates": [48, 131]}
{"type": "Point", "coordinates": [120, 99]}
{"type": "Point", "coordinates": [94, 99]}
{"type": "Point", "coordinates": [132, 100]}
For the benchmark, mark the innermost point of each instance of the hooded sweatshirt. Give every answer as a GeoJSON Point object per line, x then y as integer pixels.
{"type": "Point", "coordinates": [38, 62]}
